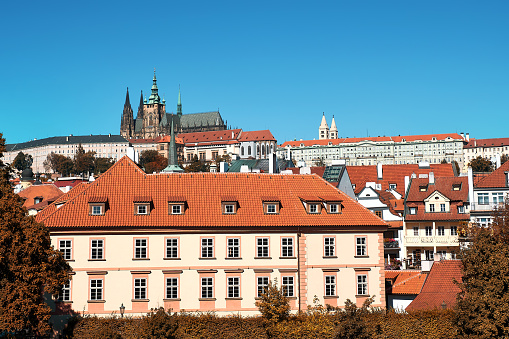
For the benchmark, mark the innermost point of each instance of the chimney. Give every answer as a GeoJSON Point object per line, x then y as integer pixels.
{"type": "Point", "coordinates": [467, 136]}
{"type": "Point", "coordinates": [379, 172]}
{"type": "Point", "coordinates": [272, 163]}
{"type": "Point", "coordinates": [223, 167]}
{"type": "Point", "coordinates": [288, 153]}
{"type": "Point", "coordinates": [244, 169]}
{"type": "Point", "coordinates": [407, 182]}
{"type": "Point", "coordinates": [109, 135]}
{"type": "Point", "coordinates": [431, 177]}
{"type": "Point", "coordinates": [462, 136]}
{"type": "Point", "coordinates": [470, 184]}
{"type": "Point", "coordinates": [497, 160]}
{"type": "Point", "coordinates": [66, 138]}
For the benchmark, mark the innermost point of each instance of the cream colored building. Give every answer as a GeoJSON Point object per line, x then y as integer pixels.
{"type": "Point", "coordinates": [485, 148]}
{"type": "Point", "coordinates": [212, 241]}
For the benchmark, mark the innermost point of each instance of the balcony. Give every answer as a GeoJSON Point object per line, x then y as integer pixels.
{"type": "Point", "coordinates": [474, 206]}
{"type": "Point", "coordinates": [391, 243]}
{"type": "Point", "coordinates": [432, 240]}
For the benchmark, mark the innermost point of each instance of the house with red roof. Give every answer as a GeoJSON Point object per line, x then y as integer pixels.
{"type": "Point", "coordinates": [403, 286]}
{"type": "Point", "coordinates": [256, 144]}
{"type": "Point", "coordinates": [38, 196]}
{"type": "Point", "coordinates": [493, 148]}
{"type": "Point", "coordinates": [212, 242]}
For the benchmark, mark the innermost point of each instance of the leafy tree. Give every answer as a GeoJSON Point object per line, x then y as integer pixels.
{"type": "Point", "coordinates": [223, 158]}
{"type": "Point", "coordinates": [83, 162]}
{"type": "Point", "coordinates": [28, 263]}
{"type": "Point", "coordinates": [22, 161]}
{"type": "Point", "coordinates": [352, 320]}
{"type": "Point", "coordinates": [319, 162]}
{"type": "Point", "coordinates": [481, 164]}
{"type": "Point", "coordinates": [152, 161]}
{"type": "Point", "coordinates": [444, 161]}
{"type": "Point", "coordinates": [59, 164]}
{"type": "Point", "coordinates": [456, 166]}
{"type": "Point", "coordinates": [482, 308]}
{"type": "Point", "coordinates": [197, 165]}
{"type": "Point", "coordinates": [504, 158]}
{"type": "Point", "coordinates": [273, 304]}
{"type": "Point", "coordinates": [101, 165]}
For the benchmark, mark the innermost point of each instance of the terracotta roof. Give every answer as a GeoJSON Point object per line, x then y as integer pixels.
{"type": "Point", "coordinates": [65, 183]}
{"type": "Point", "coordinates": [443, 185]}
{"type": "Point", "coordinates": [339, 141]}
{"type": "Point", "coordinates": [167, 139]}
{"type": "Point", "coordinates": [125, 179]}
{"type": "Point", "coordinates": [393, 174]}
{"type": "Point", "coordinates": [495, 142]}
{"type": "Point", "coordinates": [210, 136]}
{"type": "Point", "coordinates": [497, 178]}
{"type": "Point", "coordinates": [395, 224]}
{"type": "Point", "coordinates": [46, 192]}
{"type": "Point", "coordinates": [145, 141]}
{"type": "Point", "coordinates": [439, 286]}
{"type": "Point", "coordinates": [406, 282]}
{"type": "Point", "coordinates": [318, 170]}
{"type": "Point", "coordinates": [63, 198]}
{"type": "Point", "coordinates": [257, 136]}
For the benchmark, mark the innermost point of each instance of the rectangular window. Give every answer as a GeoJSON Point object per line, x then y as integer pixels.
{"type": "Point", "coordinates": [483, 198]}
{"type": "Point", "coordinates": [498, 198]}
{"type": "Point", "coordinates": [262, 247]}
{"type": "Point", "coordinates": [207, 288]}
{"type": "Point", "coordinates": [461, 209]}
{"type": "Point", "coordinates": [330, 285]}
{"type": "Point", "coordinates": [140, 248]}
{"type": "Point", "coordinates": [97, 210]}
{"type": "Point", "coordinates": [441, 254]}
{"type": "Point", "coordinates": [142, 209]}
{"type": "Point", "coordinates": [413, 210]}
{"type": "Point", "coordinates": [140, 288]}
{"type": "Point", "coordinates": [454, 230]}
{"type": "Point", "coordinates": [360, 246]}
{"type": "Point", "coordinates": [172, 248]}
{"type": "Point", "coordinates": [287, 247]}
{"type": "Point", "coordinates": [313, 208]}
{"type": "Point", "coordinates": [96, 289]}
{"type": "Point", "coordinates": [329, 244]}
{"type": "Point", "coordinates": [229, 209]}
{"type": "Point", "coordinates": [233, 287]}
{"type": "Point", "coordinates": [429, 231]}
{"type": "Point", "coordinates": [432, 207]}
{"type": "Point", "coordinates": [288, 286]}
{"type": "Point", "coordinates": [97, 246]}
{"type": "Point", "coordinates": [233, 250]}
{"type": "Point", "coordinates": [172, 288]}
{"type": "Point", "coordinates": [261, 284]}
{"type": "Point", "coordinates": [362, 284]}
{"type": "Point", "coordinates": [428, 254]}
{"type": "Point", "coordinates": [442, 207]}
{"type": "Point", "coordinates": [207, 247]}
{"type": "Point", "coordinates": [65, 246]}
{"type": "Point", "coordinates": [333, 208]}
{"type": "Point", "coordinates": [65, 292]}
{"type": "Point", "coordinates": [378, 214]}
{"type": "Point", "coordinates": [416, 231]}
{"type": "Point", "coordinates": [441, 230]}
{"type": "Point", "coordinates": [271, 209]}
{"type": "Point", "coordinates": [176, 209]}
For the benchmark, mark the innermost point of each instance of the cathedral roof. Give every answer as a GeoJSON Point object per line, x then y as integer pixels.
{"type": "Point", "coordinates": [201, 119]}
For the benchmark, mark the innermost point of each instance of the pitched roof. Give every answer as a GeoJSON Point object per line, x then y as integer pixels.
{"type": "Point", "coordinates": [145, 140]}
{"type": "Point", "coordinates": [494, 142]}
{"type": "Point", "coordinates": [257, 136]}
{"type": "Point", "coordinates": [439, 286]}
{"type": "Point", "coordinates": [125, 179]}
{"type": "Point", "coordinates": [339, 141]}
{"type": "Point", "coordinates": [67, 140]}
{"type": "Point", "coordinates": [62, 199]}
{"type": "Point", "coordinates": [406, 282]}
{"type": "Point", "coordinates": [497, 178]}
{"type": "Point", "coordinates": [209, 137]}
{"type": "Point", "coordinates": [48, 192]}
{"type": "Point", "coordinates": [260, 164]}
{"type": "Point", "coordinates": [200, 119]}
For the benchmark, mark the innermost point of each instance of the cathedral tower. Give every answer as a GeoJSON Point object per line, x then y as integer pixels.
{"type": "Point", "coordinates": [127, 123]}
{"type": "Point", "coordinates": [333, 129]}
{"type": "Point", "coordinates": [153, 111]}
{"type": "Point", "coordinates": [323, 130]}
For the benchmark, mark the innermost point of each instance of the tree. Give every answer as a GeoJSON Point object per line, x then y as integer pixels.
{"type": "Point", "coordinates": [83, 162]}
{"type": "Point", "coordinates": [273, 304]}
{"type": "Point", "coordinates": [22, 161]}
{"type": "Point", "coordinates": [504, 158]}
{"type": "Point", "coordinates": [59, 164]}
{"type": "Point", "coordinates": [197, 165]}
{"type": "Point", "coordinates": [482, 310]}
{"type": "Point", "coordinates": [481, 164]}
{"type": "Point", "coordinates": [101, 165]}
{"type": "Point", "coordinates": [444, 161]}
{"type": "Point", "coordinates": [152, 161]}
{"type": "Point", "coordinates": [319, 162]}
{"type": "Point", "coordinates": [28, 263]}
{"type": "Point", "coordinates": [456, 166]}
{"type": "Point", "coordinates": [223, 158]}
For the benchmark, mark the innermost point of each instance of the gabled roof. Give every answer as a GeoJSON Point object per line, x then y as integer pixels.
{"type": "Point", "coordinates": [497, 178]}
{"type": "Point", "coordinates": [62, 199]}
{"type": "Point", "coordinates": [201, 119]}
{"type": "Point", "coordinates": [439, 286]}
{"type": "Point", "coordinates": [494, 142]}
{"type": "Point", "coordinates": [167, 139]}
{"type": "Point", "coordinates": [444, 185]}
{"type": "Point", "coordinates": [125, 180]}
{"type": "Point", "coordinates": [46, 192]}
{"type": "Point", "coordinates": [210, 136]}
{"type": "Point", "coordinates": [257, 136]}
{"type": "Point", "coordinates": [406, 282]}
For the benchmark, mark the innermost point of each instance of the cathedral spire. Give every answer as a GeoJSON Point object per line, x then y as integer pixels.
{"type": "Point", "coordinates": [127, 122]}
{"type": "Point", "coordinates": [179, 105]}
{"type": "Point", "coordinates": [154, 96]}
{"type": "Point", "coordinates": [173, 166]}
{"type": "Point", "coordinates": [127, 102]}
{"type": "Point", "coordinates": [140, 107]}
{"type": "Point", "coordinates": [323, 130]}
{"type": "Point", "coordinates": [333, 132]}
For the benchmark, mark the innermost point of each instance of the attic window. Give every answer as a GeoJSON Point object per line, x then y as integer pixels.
{"type": "Point", "coordinates": [392, 186]}
{"type": "Point", "coordinates": [97, 205]}
{"type": "Point", "coordinates": [176, 205]}
{"type": "Point", "coordinates": [314, 208]}
{"type": "Point", "coordinates": [413, 210]}
{"type": "Point", "coordinates": [96, 209]}
{"type": "Point", "coordinates": [142, 205]}
{"type": "Point", "coordinates": [142, 209]}
{"type": "Point", "coordinates": [271, 205]}
{"type": "Point", "coordinates": [456, 187]}
{"type": "Point", "coordinates": [229, 205]}
{"type": "Point", "coordinates": [37, 200]}
{"type": "Point", "coordinates": [423, 188]}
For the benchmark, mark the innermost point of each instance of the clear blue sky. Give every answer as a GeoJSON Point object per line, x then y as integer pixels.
{"type": "Point", "coordinates": [381, 67]}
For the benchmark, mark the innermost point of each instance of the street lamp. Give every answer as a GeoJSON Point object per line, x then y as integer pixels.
{"type": "Point", "coordinates": [122, 310]}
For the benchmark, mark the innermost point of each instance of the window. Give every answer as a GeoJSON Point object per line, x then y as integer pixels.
{"type": "Point", "coordinates": [207, 288]}
{"type": "Point", "coordinates": [97, 209]}
{"type": "Point", "coordinates": [97, 249]}
{"type": "Point", "coordinates": [65, 292]}
{"type": "Point", "coordinates": [313, 208]}
{"type": "Point", "coordinates": [271, 208]}
{"type": "Point", "coordinates": [261, 285]}
{"type": "Point", "coordinates": [441, 230]}
{"type": "Point", "coordinates": [441, 254]}
{"type": "Point", "coordinates": [454, 230]}
{"type": "Point", "coordinates": [176, 209]}
{"type": "Point", "coordinates": [141, 209]}
{"type": "Point", "coordinates": [361, 246]}
{"type": "Point", "coordinates": [140, 248]}
{"type": "Point", "coordinates": [429, 231]}
{"type": "Point", "coordinates": [65, 246]}
{"type": "Point", "coordinates": [287, 247]}
{"type": "Point", "coordinates": [140, 288]}
{"type": "Point", "coordinates": [96, 289]}
{"type": "Point", "coordinates": [333, 208]}
{"type": "Point", "coordinates": [498, 198]}
{"type": "Point", "coordinates": [288, 287]}
{"type": "Point", "coordinates": [413, 210]}
{"type": "Point", "coordinates": [432, 207]}
{"type": "Point", "coordinates": [207, 248]}
{"type": "Point", "coordinates": [461, 209]}
{"type": "Point", "coordinates": [229, 209]}
{"type": "Point", "coordinates": [233, 287]}
{"type": "Point", "coordinates": [172, 247]}
{"type": "Point", "coordinates": [483, 198]}
{"type": "Point", "coordinates": [171, 288]}
{"type": "Point", "coordinates": [362, 284]}
{"type": "Point", "coordinates": [330, 285]}
{"type": "Point", "coordinates": [262, 247]}
{"type": "Point", "coordinates": [442, 207]}
{"type": "Point", "coordinates": [378, 214]}
{"type": "Point", "coordinates": [329, 244]}
{"type": "Point", "coordinates": [428, 255]}
{"type": "Point", "coordinates": [233, 250]}
{"type": "Point", "coordinates": [392, 186]}
{"type": "Point", "coordinates": [416, 231]}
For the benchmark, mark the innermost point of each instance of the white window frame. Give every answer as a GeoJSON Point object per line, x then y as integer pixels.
{"type": "Point", "coordinates": [142, 209]}
{"type": "Point", "coordinates": [262, 247]}
{"type": "Point", "coordinates": [65, 246]}
{"type": "Point", "coordinates": [233, 287]}
{"type": "Point", "coordinates": [96, 289]}
{"type": "Point", "coordinates": [141, 248]}
{"type": "Point", "coordinates": [287, 247]}
{"type": "Point", "coordinates": [442, 208]}
{"type": "Point", "coordinates": [65, 292]}
{"type": "Point", "coordinates": [207, 247]}
{"type": "Point", "coordinates": [97, 210]}
{"type": "Point", "coordinates": [271, 208]}
{"type": "Point", "coordinates": [288, 285]}
{"type": "Point", "coordinates": [329, 246]}
{"type": "Point", "coordinates": [483, 198]}
{"type": "Point", "coordinates": [416, 231]}
{"type": "Point", "coordinates": [313, 208]}
{"type": "Point", "coordinates": [362, 284]}
{"type": "Point", "coordinates": [361, 246]}
{"type": "Point", "coordinates": [413, 210]}
{"type": "Point", "coordinates": [441, 231]}
{"type": "Point", "coordinates": [172, 288]}
{"type": "Point", "coordinates": [330, 285]}
{"type": "Point", "coordinates": [176, 209]}
{"type": "Point", "coordinates": [454, 230]}
{"type": "Point", "coordinates": [97, 249]}
{"type": "Point", "coordinates": [229, 209]}
{"type": "Point", "coordinates": [233, 248]}
{"type": "Point", "coordinates": [172, 247]}
{"type": "Point", "coordinates": [140, 288]}
{"type": "Point", "coordinates": [428, 231]}
{"type": "Point", "coordinates": [207, 287]}
{"type": "Point", "coordinates": [432, 208]}
{"type": "Point", "coordinates": [261, 284]}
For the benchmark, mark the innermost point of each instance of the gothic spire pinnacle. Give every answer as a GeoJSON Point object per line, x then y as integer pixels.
{"type": "Point", "coordinates": [173, 166]}
{"type": "Point", "coordinates": [179, 105]}
{"type": "Point", "coordinates": [154, 96]}
{"type": "Point", "coordinates": [127, 102]}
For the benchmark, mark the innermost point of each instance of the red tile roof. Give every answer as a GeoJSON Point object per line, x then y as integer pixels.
{"type": "Point", "coordinates": [48, 192]}
{"type": "Point", "coordinates": [495, 142]}
{"type": "Point", "coordinates": [257, 136]}
{"type": "Point", "coordinates": [145, 141]}
{"type": "Point", "coordinates": [65, 183]}
{"type": "Point", "coordinates": [497, 178]}
{"type": "Point", "coordinates": [319, 170]}
{"type": "Point", "coordinates": [210, 136]}
{"type": "Point", "coordinates": [439, 286]}
{"type": "Point", "coordinates": [324, 142]}
{"type": "Point", "coordinates": [203, 192]}
{"type": "Point", "coordinates": [167, 139]}
{"type": "Point", "coordinates": [63, 198]}
{"type": "Point", "coordinates": [406, 282]}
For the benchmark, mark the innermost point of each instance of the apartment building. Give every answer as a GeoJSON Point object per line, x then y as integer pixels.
{"type": "Point", "coordinates": [485, 148]}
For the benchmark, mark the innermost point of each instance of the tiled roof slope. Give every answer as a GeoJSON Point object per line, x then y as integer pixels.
{"type": "Point", "coordinates": [339, 141]}
{"type": "Point", "coordinates": [495, 142]}
{"type": "Point", "coordinates": [63, 198]}
{"type": "Point", "coordinates": [83, 139]}
{"type": "Point", "coordinates": [439, 286]}
{"type": "Point", "coordinates": [406, 282]}
{"type": "Point", "coordinates": [199, 119]}
{"type": "Point", "coordinates": [203, 192]}
{"type": "Point", "coordinates": [48, 192]}
{"type": "Point", "coordinates": [257, 136]}
{"type": "Point", "coordinates": [393, 174]}
{"type": "Point", "coordinates": [210, 136]}
{"type": "Point", "coordinates": [496, 178]}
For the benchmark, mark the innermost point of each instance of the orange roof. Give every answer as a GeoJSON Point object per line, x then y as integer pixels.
{"type": "Point", "coordinates": [167, 138]}
{"type": "Point", "coordinates": [318, 170]}
{"type": "Point", "coordinates": [497, 178]}
{"type": "Point", "coordinates": [325, 142]}
{"type": "Point", "coordinates": [63, 198]}
{"type": "Point", "coordinates": [210, 136]}
{"type": "Point", "coordinates": [144, 141]}
{"type": "Point", "coordinates": [439, 287]}
{"type": "Point", "coordinates": [257, 136]}
{"type": "Point", "coordinates": [48, 192]}
{"type": "Point", "coordinates": [406, 282]}
{"type": "Point", "coordinates": [125, 180]}
{"type": "Point", "coordinates": [495, 142]}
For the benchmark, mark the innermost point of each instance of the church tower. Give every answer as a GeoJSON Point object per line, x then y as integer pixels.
{"type": "Point", "coordinates": [179, 105]}
{"type": "Point", "coordinates": [153, 111]}
{"type": "Point", "coordinates": [127, 123]}
{"type": "Point", "coordinates": [333, 129]}
{"type": "Point", "coordinates": [323, 130]}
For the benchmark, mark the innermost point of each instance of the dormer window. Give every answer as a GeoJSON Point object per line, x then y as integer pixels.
{"type": "Point", "coordinates": [271, 205]}
{"type": "Point", "coordinates": [142, 209]}
{"type": "Point", "coordinates": [97, 209]}
{"type": "Point", "coordinates": [229, 205]}
{"type": "Point", "coordinates": [229, 209]}
{"type": "Point", "coordinates": [97, 205]}
{"type": "Point", "coordinates": [142, 205]}
{"type": "Point", "coordinates": [456, 187]}
{"type": "Point", "coordinates": [313, 208]}
{"type": "Point", "coordinates": [37, 200]}
{"type": "Point", "coordinates": [271, 208]}
{"type": "Point", "coordinates": [423, 188]}
{"type": "Point", "coordinates": [392, 186]}
{"type": "Point", "coordinates": [461, 209]}
{"type": "Point", "coordinates": [176, 209]}
{"type": "Point", "coordinates": [413, 210]}
{"type": "Point", "coordinates": [176, 205]}
{"type": "Point", "coordinates": [333, 208]}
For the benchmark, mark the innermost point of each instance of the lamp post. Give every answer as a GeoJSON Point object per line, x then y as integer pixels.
{"type": "Point", "coordinates": [122, 310]}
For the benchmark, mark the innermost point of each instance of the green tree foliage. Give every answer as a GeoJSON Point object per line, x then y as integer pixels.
{"type": "Point", "coordinates": [273, 304]}
{"type": "Point", "coordinates": [504, 158]}
{"type": "Point", "coordinates": [352, 322]}
{"type": "Point", "coordinates": [22, 161]}
{"type": "Point", "coordinates": [59, 163]}
{"type": "Point", "coordinates": [197, 166]}
{"type": "Point", "coordinates": [482, 308]}
{"type": "Point", "coordinates": [481, 164]}
{"type": "Point", "coordinates": [28, 263]}
{"type": "Point", "coordinates": [84, 161]}
{"type": "Point", "coordinates": [101, 165]}
{"type": "Point", "coordinates": [151, 161]}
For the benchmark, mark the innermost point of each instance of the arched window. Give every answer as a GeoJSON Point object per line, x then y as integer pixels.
{"type": "Point", "coordinates": [263, 150]}
{"type": "Point", "coordinates": [257, 149]}
{"type": "Point", "coordinates": [248, 150]}
{"type": "Point", "coordinates": [242, 150]}
{"type": "Point", "coordinates": [268, 149]}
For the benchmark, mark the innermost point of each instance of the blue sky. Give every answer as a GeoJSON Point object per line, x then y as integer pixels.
{"type": "Point", "coordinates": [380, 67]}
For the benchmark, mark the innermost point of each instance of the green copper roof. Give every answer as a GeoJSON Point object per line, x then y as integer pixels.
{"type": "Point", "coordinates": [173, 165]}
{"type": "Point", "coordinates": [154, 96]}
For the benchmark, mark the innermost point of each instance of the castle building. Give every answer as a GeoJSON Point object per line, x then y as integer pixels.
{"type": "Point", "coordinates": [152, 120]}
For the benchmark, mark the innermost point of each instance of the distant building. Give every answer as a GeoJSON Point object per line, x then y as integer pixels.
{"type": "Point", "coordinates": [37, 197]}
{"type": "Point", "coordinates": [485, 148]}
